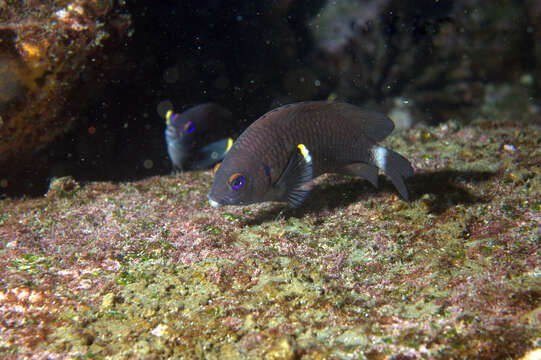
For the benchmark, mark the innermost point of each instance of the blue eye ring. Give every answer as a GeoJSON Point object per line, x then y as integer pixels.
{"type": "Point", "coordinates": [236, 181]}
{"type": "Point", "coordinates": [189, 127]}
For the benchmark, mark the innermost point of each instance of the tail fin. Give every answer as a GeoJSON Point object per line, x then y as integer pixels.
{"type": "Point", "coordinates": [395, 166]}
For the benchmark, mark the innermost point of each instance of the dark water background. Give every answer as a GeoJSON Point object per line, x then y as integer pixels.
{"type": "Point", "coordinates": [252, 56]}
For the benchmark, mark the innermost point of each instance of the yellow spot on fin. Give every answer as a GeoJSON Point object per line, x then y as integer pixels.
{"type": "Point", "coordinates": [168, 117]}
{"type": "Point", "coordinates": [229, 144]}
{"type": "Point", "coordinates": [305, 153]}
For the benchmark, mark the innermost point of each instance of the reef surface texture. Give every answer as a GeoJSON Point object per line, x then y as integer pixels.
{"type": "Point", "coordinates": [148, 269]}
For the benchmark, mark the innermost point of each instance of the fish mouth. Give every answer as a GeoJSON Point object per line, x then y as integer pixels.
{"type": "Point", "coordinates": [170, 131]}
{"type": "Point", "coordinates": [214, 203]}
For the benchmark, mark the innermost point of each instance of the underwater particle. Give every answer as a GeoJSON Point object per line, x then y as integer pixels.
{"type": "Point", "coordinates": [198, 138]}
{"type": "Point", "coordinates": [163, 107]}
{"type": "Point", "coordinates": [301, 83]}
{"type": "Point", "coordinates": [277, 157]}
{"type": "Point", "coordinates": [148, 164]}
{"type": "Point", "coordinates": [171, 75]}
{"type": "Point", "coordinates": [92, 130]}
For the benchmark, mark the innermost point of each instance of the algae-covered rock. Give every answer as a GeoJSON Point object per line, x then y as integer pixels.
{"type": "Point", "coordinates": [148, 270]}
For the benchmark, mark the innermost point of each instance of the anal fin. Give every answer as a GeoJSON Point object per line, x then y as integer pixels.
{"type": "Point", "coordinates": [363, 170]}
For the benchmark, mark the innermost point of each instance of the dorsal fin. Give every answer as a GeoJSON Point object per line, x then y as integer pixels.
{"type": "Point", "coordinates": [377, 126]}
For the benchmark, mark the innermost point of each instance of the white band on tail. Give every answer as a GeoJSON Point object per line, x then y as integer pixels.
{"type": "Point", "coordinates": [379, 154]}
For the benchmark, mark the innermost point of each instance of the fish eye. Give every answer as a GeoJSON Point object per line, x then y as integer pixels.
{"type": "Point", "coordinates": [236, 181]}
{"type": "Point", "coordinates": [216, 168]}
{"type": "Point", "coordinates": [188, 127]}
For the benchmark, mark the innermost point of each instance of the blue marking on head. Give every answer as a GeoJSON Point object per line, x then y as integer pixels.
{"type": "Point", "coordinates": [267, 171]}
{"type": "Point", "coordinates": [189, 127]}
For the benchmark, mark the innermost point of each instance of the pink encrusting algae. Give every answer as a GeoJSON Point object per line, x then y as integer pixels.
{"type": "Point", "coordinates": [355, 272]}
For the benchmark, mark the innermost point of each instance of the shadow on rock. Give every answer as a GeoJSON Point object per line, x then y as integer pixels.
{"type": "Point", "coordinates": [442, 190]}
{"type": "Point", "coordinates": [447, 188]}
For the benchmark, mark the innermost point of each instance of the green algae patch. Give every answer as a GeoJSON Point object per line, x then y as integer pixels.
{"type": "Point", "coordinates": [148, 270]}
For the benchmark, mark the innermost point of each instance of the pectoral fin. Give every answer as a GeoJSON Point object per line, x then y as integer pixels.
{"type": "Point", "coordinates": [212, 153]}
{"type": "Point", "coordinates": [298, 172]}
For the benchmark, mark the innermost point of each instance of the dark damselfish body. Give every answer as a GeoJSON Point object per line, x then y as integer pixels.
{"type": "Point", "coordinates": [286, 148]}
{"type": "Point", "coordinates": [198, 137]}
